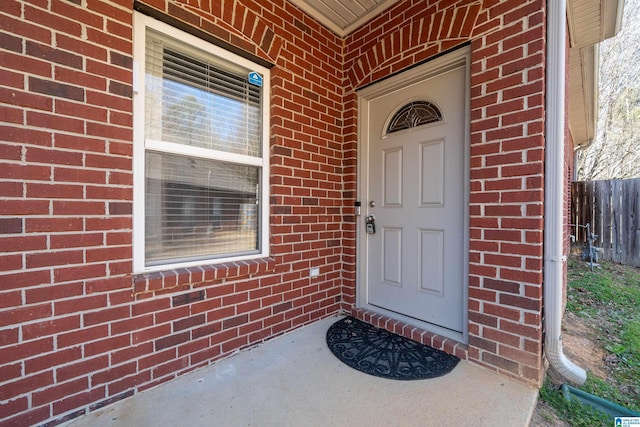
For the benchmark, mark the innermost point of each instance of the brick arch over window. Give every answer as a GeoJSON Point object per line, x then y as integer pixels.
{"type": "Point", "coordinates": [429, 33]}
{"type": "Point", "coordinates": [232, 22]}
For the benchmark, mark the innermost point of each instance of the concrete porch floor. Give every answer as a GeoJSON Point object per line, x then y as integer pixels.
{"type": "Point", "coordinates": [294, 380]}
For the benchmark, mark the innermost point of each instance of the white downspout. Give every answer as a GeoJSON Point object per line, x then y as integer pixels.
{"type": "Point", "coordinates": [554, 257]}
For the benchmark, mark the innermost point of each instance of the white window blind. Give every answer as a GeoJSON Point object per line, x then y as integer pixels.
{"type": "Point", "coordinates": [203, 166]}
{"type": "Point", "coordinates": [194, 102]}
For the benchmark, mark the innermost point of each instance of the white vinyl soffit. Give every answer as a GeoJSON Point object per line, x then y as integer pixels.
{"type": "Point", "coordinates": [343, 16]}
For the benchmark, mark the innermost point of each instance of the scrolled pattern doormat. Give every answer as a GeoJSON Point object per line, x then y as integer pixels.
{"type": "Point", "coordinates": [384, 354]}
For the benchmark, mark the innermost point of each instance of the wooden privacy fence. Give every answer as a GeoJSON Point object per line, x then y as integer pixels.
{"type": "Point", "coordinates": [613, 209]}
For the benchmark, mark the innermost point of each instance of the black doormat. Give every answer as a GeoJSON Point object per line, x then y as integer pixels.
{"type": "Point", "coordinates": [384, 354]}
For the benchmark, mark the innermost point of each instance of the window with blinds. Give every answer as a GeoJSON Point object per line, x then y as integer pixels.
{"type": "Point", "coordinates": [204, 168]}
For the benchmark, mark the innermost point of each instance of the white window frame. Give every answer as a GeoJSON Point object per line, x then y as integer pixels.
{"type": "Point", "coordinates": [141, 23]}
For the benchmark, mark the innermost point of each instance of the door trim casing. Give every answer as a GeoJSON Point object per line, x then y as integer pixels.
{"type": "Point", "coordinates": [433, 68]}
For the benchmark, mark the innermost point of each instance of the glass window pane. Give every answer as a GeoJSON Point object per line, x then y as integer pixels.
{"type": "Point", "coordinates": [199, 209]}
{"type": "Point", "coordinates": [414, 114]}
{"type": "Point", "coordinates": [195, 102]}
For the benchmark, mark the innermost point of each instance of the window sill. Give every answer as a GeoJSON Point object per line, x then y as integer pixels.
{"type": "Point", "coordinates": [160, 282]}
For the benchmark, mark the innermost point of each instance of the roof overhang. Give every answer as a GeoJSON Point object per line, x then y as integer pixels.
{"type": "Point", "coordinates": [589, 22]}
{"type": "Point", "coordinates": [343, 16]}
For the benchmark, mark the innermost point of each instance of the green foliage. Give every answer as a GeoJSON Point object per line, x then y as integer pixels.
{"type": "Point", "coordinates": [609, 297]}
{"type": "Point", "coordinates": [603, 287]}
{"type": "Point", "coordinates": [573, 412]}
{"type": "Point", "coordinates": [631, 336]}
{"type": "Point", "coordinates": [611, 392]}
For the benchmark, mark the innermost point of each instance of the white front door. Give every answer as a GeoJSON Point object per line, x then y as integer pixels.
{"type": "Point", "coordinates": [414, 187]}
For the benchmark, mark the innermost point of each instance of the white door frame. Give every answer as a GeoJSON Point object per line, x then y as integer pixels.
{"type": "Point", "coordinates": [419, 73]}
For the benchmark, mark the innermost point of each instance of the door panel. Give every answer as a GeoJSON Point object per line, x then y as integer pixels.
{"type": "Point", "coordinates": [392, 256]}
{"type": "Point", "coordinates": [431, 175]}
{"type": "Point", "coordinates": [392, 177]}
{"type": "Point", "coordinates": [431, 262]}
{"type": "Point", "coordinates": [416, 181]}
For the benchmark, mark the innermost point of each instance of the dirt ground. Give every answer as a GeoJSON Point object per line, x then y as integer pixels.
{"type": "Point", "coordinates": [544, 416]}
{"type": "Point", "coordinates": [580, 347]}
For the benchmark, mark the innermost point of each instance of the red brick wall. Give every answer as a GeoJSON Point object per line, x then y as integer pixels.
{"type": "Point", "coordinates": [507, 172]}
{"type": "Point", "coordinates": [507, 156]}
{"type": "Point", "coordinates": [78, 330]}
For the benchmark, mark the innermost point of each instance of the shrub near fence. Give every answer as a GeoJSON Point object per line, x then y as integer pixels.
{"type": "Point", "coordinates": [612, 208]}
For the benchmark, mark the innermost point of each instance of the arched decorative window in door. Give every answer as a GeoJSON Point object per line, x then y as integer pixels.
{"type": "Point", "coordinates": [414, 114]}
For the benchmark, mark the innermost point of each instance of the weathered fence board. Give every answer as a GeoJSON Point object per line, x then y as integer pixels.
{"type": "Point", "coordinates": [633, 198]}
{"type": "Point", "coordinates": [612, 208]}
{"type": "Point", "coordinates": [604, 213]}
{"type": "Point", "coordinates": [615, 220]}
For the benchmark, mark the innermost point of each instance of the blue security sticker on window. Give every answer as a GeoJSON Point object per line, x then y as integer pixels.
{"type": "Point", "coordinates": [255, 79]}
